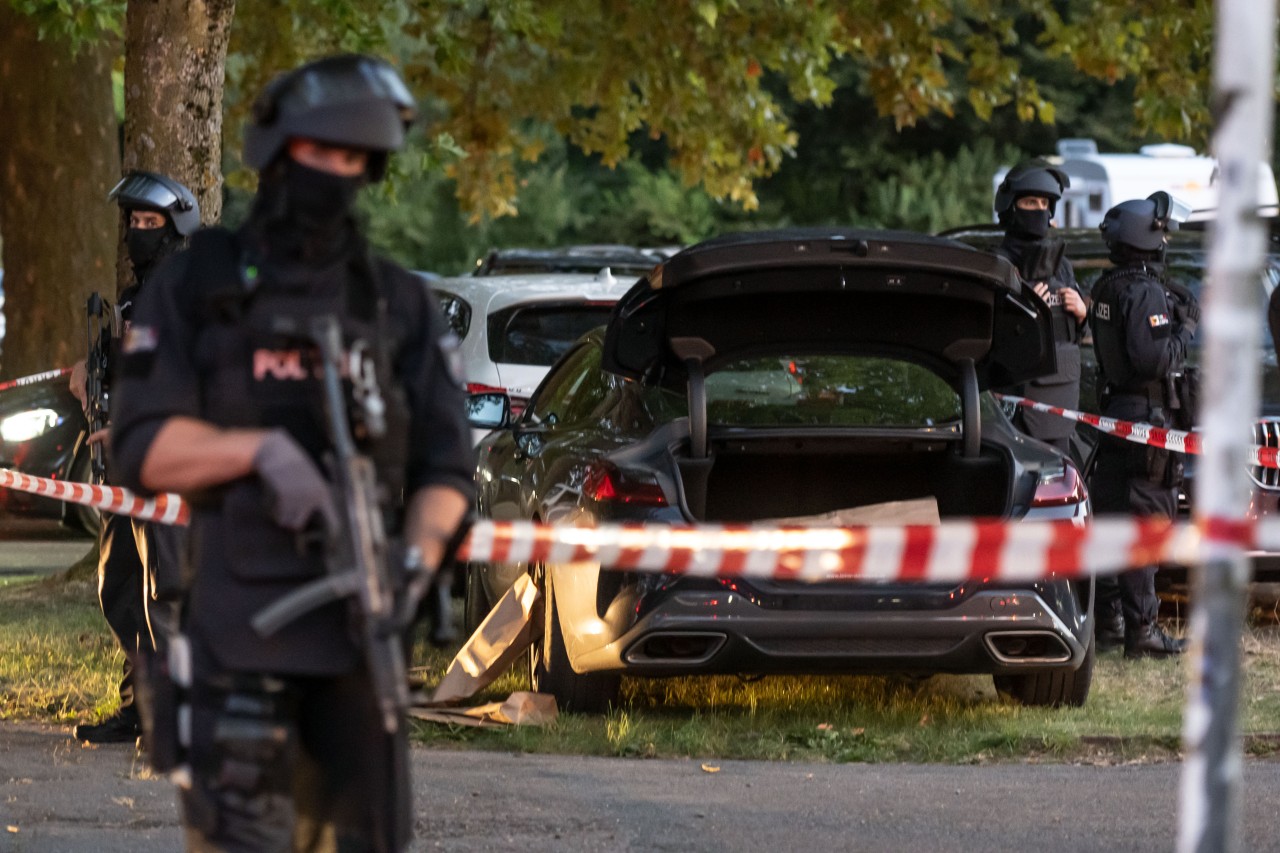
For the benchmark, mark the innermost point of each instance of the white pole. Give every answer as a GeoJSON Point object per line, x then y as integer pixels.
{"type": "Point", "coordinates": [1243, 85]}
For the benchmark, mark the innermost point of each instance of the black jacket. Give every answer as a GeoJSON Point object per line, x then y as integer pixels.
{"type": "Point", "coordinates": [199, 347]}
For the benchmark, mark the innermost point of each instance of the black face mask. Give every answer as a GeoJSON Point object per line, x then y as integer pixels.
{"type": "Point", "coordinates": [148, 246]}
{"type": "Point", "coordinates": [1030, 224]}
{"type": "Point", "coordinates": [317, 200]}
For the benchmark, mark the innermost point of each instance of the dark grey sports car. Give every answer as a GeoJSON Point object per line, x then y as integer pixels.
{"type": "Point", "coordinates": [813, 376]}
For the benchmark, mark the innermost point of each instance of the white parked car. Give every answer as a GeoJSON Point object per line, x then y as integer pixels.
{"type": "Point", "coordinates": [512, 328]}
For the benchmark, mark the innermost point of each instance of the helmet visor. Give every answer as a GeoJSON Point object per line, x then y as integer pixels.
{"type": "Point", "coordinates": [139, 190]}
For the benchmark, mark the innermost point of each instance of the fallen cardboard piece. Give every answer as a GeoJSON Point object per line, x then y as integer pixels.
{"type": "Point", "coordinates": [507, 631]}
{"type": "Point", "coordinates": [521, 708]}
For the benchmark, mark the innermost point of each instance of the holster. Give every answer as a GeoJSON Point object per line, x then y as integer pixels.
{"type": "Point", "coordinates": [163, 703]}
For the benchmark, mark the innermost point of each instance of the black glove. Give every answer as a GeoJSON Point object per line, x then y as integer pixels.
{"type": "Point", "coordinates": [1188, 316]}
{"type": "Point", "coordinates": [295, 487]}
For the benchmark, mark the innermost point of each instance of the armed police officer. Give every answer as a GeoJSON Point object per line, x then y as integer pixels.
{"type": "Point", "coordinates": [138, 562]}
{"type": "Point", "coordinates": [1140, 337]}
{"type": "Point", "coordinates": [1025, 202]}
{"type": "Point", "coordinates": [224, 399]}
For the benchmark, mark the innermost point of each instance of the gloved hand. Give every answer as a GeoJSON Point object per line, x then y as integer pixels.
{"type": "Point", "coordinates": [1188, 315]}
{"type": "Point", "coordinates": [295, 487]}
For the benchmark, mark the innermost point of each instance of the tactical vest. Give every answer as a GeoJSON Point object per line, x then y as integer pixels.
{"type": "Point", "coordinates": [254, 376]}
{"type": "Point", "coordinates": [1110, 347]}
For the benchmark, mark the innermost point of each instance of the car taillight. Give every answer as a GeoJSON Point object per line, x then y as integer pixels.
{"type": "Point", "coordinates": [1059, 488]}
{"type": "Point", "coordinates": [606, 484]}
{"type": "Point", "coordinates": [481, 388]}
{"type": "Point", "coordinates": [518, 405]}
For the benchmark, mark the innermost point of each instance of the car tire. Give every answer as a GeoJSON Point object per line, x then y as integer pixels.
{"type": "Point", "coordinates": [1052, 688]}
{"type": "Point", "coordinates": [475, 602]}
{"type": "Point", "coordinates": [550, 672]}
{"type": "Point", "coordinates": [78, 516]}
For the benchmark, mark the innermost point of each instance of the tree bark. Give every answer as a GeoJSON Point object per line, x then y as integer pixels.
{"type": "Point", "coordinates": [58, 159]}
{"type": "Point", "coordinates": [175, 67]}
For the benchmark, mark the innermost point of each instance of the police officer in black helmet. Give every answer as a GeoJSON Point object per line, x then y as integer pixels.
{"type": "Point", "coordinates": [138, 562]}
{"type": "Point", "coordinates": [1140, 337]}
{"type": "Point", "coordinates": [288, 747]}
{"type": "Point", "coordinates": [1025, 203]}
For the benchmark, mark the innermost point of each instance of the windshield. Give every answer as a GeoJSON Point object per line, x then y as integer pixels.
{"type": "Point", "coordinates": [829, 390]}
{"type": "Point", "coordinates": [540, 334]}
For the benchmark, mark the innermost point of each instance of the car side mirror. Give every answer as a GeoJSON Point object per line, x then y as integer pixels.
{"type": "Point", "coordinates": [488, 411]}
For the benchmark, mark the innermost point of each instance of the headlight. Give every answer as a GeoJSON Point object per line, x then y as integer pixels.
{"type": "Point", "coordinates": [25, 426]}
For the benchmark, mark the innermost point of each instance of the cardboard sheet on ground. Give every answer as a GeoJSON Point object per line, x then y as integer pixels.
{"type": "Point", "coordinates": [507, 631]}
{"type": "Point", "coordinates": [521, 708]}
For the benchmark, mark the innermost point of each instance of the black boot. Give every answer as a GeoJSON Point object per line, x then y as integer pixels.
{"type": "Point", "coordinates": [121, 727]}
{"type": "Point", "coordinates": [1108, 631]}
{"type": "Point", "coordinates": [1149, 641]}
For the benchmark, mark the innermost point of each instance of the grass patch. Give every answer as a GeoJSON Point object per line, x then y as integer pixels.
{"type": "Point", "coordinates": [59, 663]}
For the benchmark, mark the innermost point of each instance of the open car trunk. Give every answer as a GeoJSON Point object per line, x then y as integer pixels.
{"type": "Point", "coordinates": [751, 478]}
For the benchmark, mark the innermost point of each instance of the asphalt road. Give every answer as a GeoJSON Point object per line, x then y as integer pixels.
{"type": "Point", "coordinates": [38, 547]}
{"type": "Point", "coordinates": [58, 796]}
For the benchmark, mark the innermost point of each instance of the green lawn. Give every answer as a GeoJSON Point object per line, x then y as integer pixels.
{"type": "Point", "coordinates": [58, 663]}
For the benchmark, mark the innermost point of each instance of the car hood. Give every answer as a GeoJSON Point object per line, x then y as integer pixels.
{"type": "Point", "coordinates": [831, 291]}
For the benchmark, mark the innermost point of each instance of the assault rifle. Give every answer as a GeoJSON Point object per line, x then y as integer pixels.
{"type": "Point", "coordinates": [356, 554]}
{"type": "Point", "coordinates": [101, 325]}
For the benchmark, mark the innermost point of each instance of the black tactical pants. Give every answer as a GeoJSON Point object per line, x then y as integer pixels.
{"type": "Point", "coordinates": [1128, 478]}
{"type": "Point", "coordinates": [293, 764]}
{"type": "Point", "coordinates": [159, 549]}
{"type": "Point", "coordinates": [121, 592]}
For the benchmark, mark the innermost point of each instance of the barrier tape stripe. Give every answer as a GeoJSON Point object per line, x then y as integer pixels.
{"type": "Point", "coordinates": [34, 378]}
{"type": "Point", "coordinates": [1179, 441]}
{"type": "Point", "coordinates": [953, 551]}
{"type": "Point", "coordinates": [166, 508]}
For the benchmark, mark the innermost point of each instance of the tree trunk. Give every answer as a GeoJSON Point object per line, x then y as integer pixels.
{"type": "Point", "coordinates": [58, 159]}
{"type": "Point", "coordinates": [175, 66]}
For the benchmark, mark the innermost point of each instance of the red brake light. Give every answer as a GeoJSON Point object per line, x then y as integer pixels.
{"type": "Point", "coordinates": [1061, 489]}
{"type": "Point", "coordinates": [481, 388]}
{"type": "Point", "coordinates": [604, 483]}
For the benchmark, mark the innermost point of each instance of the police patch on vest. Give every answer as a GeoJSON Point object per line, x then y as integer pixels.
{"type": "Point", "coordinates": [1102, 311]}
{"type": "Point", "coordinates": [1157, 320]}
{"type": "Point", "coordinates": [140, 339]}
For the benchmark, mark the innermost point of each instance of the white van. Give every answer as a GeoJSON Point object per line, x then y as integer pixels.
{"type": "Point", "coordinates": [1101, 181]}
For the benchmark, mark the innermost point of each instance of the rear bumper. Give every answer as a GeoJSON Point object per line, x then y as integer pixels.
{"type": "Point", "coordinates": [712, 632]}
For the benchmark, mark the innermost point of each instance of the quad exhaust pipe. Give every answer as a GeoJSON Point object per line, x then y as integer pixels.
{"type": "Point", "coordinates": [1027, 647]}
{"type": "Point", "coordinates": [675, 647]}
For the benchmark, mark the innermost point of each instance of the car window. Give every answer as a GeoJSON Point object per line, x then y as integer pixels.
{"type": "Point", "coordinates": [575, 390]}
{"type": "Point", "coordinates": [829, 390]}
{"type": "Point", "coordinates": [456, 312]}
{"type": "Point", "coordinates": [540, 334]}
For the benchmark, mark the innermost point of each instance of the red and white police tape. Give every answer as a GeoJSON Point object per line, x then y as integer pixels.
{"type": "Point", "coordinates": [1178, 441]}
{"type": "Point", "coordinates": [34, 378]}
{"type": "Point", "coordinates": [951, 551]}
{"type": "Point", "coordinates": [166, 509]}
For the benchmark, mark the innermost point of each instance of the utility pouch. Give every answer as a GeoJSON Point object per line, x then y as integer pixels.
{"type": "Point", "coordinates": [163, 683]}
{"type": "Point", "coordinates": [252, 739]}
{"type": "Point", "coordinates": [1184, 405]}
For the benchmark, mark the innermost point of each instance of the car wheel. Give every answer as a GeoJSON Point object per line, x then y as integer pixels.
{"type": "Point", "coordinates": [1052, 688]}
{"type": "Point", "coordinates": [475, 602]}
{"type": "Point", "coordinates": [550, 672]}
{"type": "Point", "coordinates": [79, 516]}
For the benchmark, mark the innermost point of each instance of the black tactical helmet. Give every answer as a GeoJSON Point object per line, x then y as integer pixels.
{"type": "Point", "coordinates": [1141, 224]}
{"type": "Point", "coordinates": [351, 100]}
{"type": "Point", "coordinates": [1033, 177]}
{"type": "Point", "coordinates": [152, 191]}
